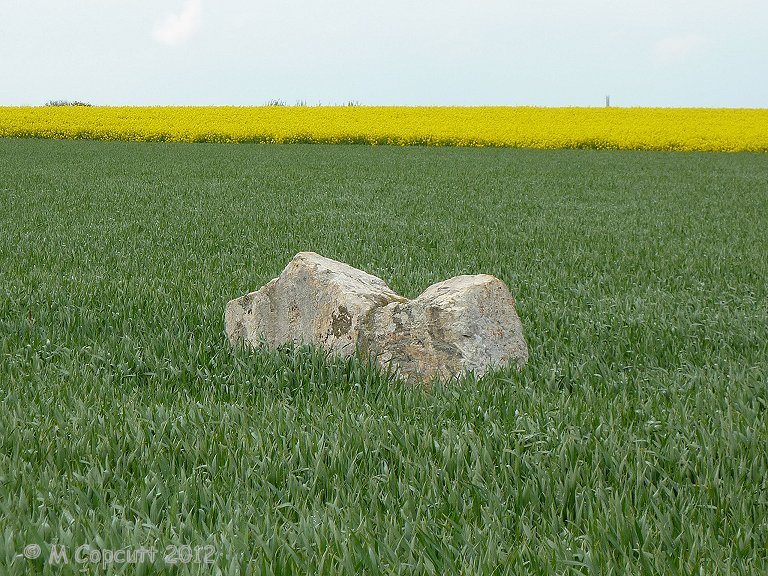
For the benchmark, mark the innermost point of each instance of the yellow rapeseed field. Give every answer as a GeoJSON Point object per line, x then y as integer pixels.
{"type": "Point", "coordinates": [691, 129]}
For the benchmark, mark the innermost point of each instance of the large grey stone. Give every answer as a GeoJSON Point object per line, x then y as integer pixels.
{"type": "Point", "coordinates": [315, 300]}
{"type": "Point", "coordinates": [465, 324]}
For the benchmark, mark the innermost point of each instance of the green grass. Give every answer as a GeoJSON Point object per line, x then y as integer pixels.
{"type": "Point", "coordinates": [633, 442]}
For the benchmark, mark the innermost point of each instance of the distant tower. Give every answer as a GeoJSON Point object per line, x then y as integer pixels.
{"type": "Point", "coordinates": [607, 101]}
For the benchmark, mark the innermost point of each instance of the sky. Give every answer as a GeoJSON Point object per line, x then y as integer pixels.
{"type": "Point", "coordinates": [669, 53]}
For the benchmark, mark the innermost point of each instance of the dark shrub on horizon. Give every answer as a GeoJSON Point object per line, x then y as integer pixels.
{"type": "Point", "coordinates": [66, 103]}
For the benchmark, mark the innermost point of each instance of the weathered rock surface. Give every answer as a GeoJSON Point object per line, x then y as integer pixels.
{"type": "Point", "coordinates": [315, 300]}
{"type": "Point", "coordinates": [465, 324]}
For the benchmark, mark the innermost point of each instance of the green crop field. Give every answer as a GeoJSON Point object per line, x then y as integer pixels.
{"type": "Point", "coordinates": [634, 441]}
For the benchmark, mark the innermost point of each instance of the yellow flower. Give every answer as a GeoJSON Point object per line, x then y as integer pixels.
{"type": "Point", "coordinates": [693, 129]}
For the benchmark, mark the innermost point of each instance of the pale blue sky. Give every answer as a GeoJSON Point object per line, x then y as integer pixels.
{"type": "Point", "coordinates": [393, 52]}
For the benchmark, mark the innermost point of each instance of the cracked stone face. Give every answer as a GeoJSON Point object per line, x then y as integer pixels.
{"type": "Point", "coordinates": [464, 324]}
{"type": "Point", "coordinates": [315, 300]}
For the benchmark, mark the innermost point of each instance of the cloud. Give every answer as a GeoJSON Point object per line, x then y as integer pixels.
{"type": "Point", "coordinates": [178, 28]}
{"type": "Point", "coordinates": [678, 49]}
